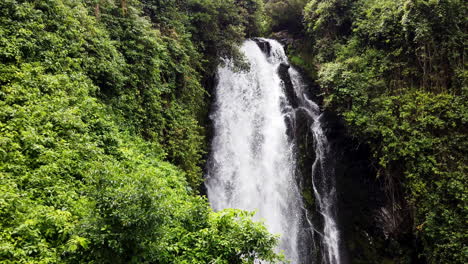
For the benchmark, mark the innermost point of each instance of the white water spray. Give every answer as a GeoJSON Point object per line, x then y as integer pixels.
{"type": "Point", "coordinates": [252, 163]}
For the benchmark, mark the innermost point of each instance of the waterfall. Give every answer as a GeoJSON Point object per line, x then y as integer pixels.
{"type": "Point", "coordinates": [253, 164]}
{"type": "Point", "coordinates": [323, 174]}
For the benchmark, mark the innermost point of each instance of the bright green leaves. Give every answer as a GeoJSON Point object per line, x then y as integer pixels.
{"type": "Point", "coordinates": [158, 85]}
{"type": "Point", "coordinates": [327, 22]}
{"type": "Point", "coordinates": [422, 134]}
{"type": "Point", "coordinates": [32, 232]}
{"type": "Point", "coordinates": [92, 100]}
{"type": "Point", "coordinates": [44, 143]}
{"type": "Point", "coordinates": [395, 71]}
{"type": "Point", "coordinates": [219, 26]}
{"type": "Point", "coordinates": [230, 237]}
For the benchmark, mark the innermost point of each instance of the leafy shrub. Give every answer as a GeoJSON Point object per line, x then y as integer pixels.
{"type": "Point", "coordinates": [94, 104]}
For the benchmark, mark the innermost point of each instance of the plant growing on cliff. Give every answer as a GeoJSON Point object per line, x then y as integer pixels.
{"type": "Point", "coordinates": [396, 73]}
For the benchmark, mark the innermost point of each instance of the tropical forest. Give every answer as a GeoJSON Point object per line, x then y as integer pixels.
{"type": "Point", "coordinates": [234, 131]}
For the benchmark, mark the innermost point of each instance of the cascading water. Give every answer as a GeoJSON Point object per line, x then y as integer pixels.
{"type": "Point", "coordinates": [252, 158]}
{"type": "Point", "coordinates": [253, 161]}
{"type": "Point", "coordinates": [323, 178]}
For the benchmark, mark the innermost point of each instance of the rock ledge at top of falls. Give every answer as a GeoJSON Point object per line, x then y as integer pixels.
{"type": "Point", "coordinates": [284, 37]}
{"type": "Point", "coordinates": [264, 45]}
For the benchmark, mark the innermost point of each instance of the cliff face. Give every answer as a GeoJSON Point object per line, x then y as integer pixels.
{"type": "Point", "coordinates": [374, 224]}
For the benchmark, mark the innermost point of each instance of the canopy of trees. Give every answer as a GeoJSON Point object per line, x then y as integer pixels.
{"type": "Point", "coordinates": [100, 134]}
{"type": "Point", "coordinates": [396, 71]}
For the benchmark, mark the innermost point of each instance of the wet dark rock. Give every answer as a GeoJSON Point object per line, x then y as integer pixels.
{"type": "Point", "coordinates": [263, 45]}
{"type": "Point", "coordinates": [313, 90]}
{"type": "Point", "coordinates": [332, 125]}
{"type": "Point", "coordinates": [288, 85]}
{"type": "Point", "coordinates": [284, 37]}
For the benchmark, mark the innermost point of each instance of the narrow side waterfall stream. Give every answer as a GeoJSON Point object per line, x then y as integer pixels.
{"type": "Point", "coordinates": [323, 178]}
{"type": "Point", "coordinates": [253, 164]}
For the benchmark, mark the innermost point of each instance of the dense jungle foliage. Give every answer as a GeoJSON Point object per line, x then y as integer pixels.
{"type": "Point", "coordinates": [395, 70]}
{"type": "Point", "coordinates": [101, 136]}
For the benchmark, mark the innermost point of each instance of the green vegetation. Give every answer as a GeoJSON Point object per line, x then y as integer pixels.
{"type": "Point", "coordinates": [396, 71]}
{"type": "Point", "coordinates": [96, 101]}
{"type": "Point", "coordinates": [285, 14]}
{"type": "Point", "coordinates": [102, 122]}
